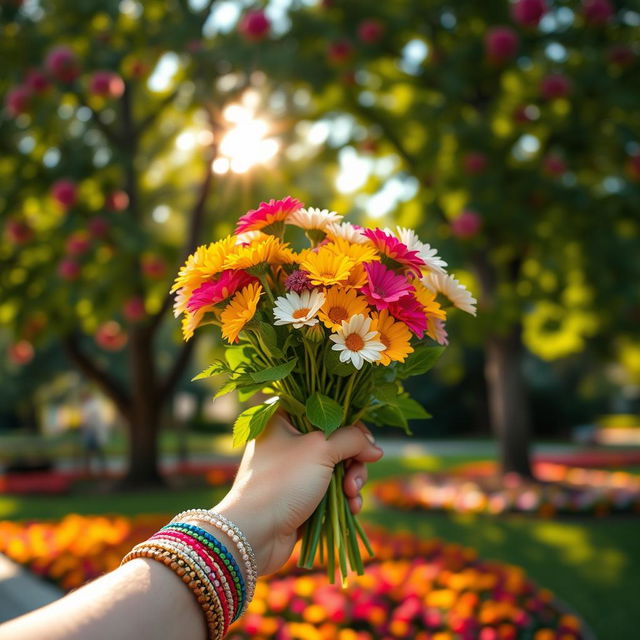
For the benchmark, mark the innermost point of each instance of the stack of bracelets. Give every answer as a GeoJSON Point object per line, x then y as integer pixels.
{"type": "Point", "coordinates": [205, 565]}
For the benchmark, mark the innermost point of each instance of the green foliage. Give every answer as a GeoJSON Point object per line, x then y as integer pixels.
{"type": "Point", "coordinates": [251, 422]}
{"type": "Point", "coordinates": [272, 374]}
{"type": "Point", "coordinates": [324, 412]}
{"type": "Point", "coordinates": [420, 361]}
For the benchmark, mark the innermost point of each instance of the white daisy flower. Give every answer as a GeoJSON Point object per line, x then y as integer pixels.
{"type": "Point", "coordinates": [456, 292]}
{"type": "Point", "coordinates": [356, 343]}
{"type": "Point", "coordinates": [298, 309]}
{"type": "Point", "coordinates": [313, 218]}
{"type": "Point", "coordinates": [439, 331]}
{"type": "Point", "coordinates": [248, 237]}
{"type": "Point", "coordinates": [347, 231]}
{"type": "Point", "coordinates": [427, 254]}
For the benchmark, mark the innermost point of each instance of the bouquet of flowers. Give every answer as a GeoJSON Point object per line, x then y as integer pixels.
{"type": "Point", "coordinates": [329, 318]}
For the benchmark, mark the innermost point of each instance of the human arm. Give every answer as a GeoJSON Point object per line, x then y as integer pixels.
{"type": "Point", "coordinates": [282, 478]}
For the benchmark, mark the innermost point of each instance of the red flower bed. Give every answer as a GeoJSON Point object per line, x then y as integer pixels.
{"type": "Point", "coordinates": [418, 589]}
{"type": "Point", "coordinates": [473, 488]}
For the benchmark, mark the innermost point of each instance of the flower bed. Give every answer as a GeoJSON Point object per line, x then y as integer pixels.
{"type": "Point", "coordinates": [418, 589]}
{"type": "Point", "coordinates": [473, 488]}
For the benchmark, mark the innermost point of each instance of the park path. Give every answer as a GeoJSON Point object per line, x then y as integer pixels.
{"type": "Point", "coordinates": [21, 591]}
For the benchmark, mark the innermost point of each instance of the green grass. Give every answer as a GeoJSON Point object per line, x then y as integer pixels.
{"type": "Point", "coordinates": [591, 564]}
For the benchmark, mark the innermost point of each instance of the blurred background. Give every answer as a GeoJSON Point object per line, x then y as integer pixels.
{"type": "Point", "coordinates": [506, 133]}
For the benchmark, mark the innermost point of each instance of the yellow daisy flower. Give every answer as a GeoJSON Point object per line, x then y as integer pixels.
{"type": "Point", "coordinates": [394, 335]}
{"type": "Point", "coordinates": [326, 267]}
{"type": "Point", "coordinates": [202, 265]}
{"type": "Point", "coordinates": [357, 277]}
{"type": "Point", "coordinates": [341, 305]}
{"type": "Point", "coordinates": [359, 253]}
{"type": "Point", "coordinates": [239, 311]}
{"type": "Point", "coordinates": [257, 256]}
{"type": "Point", "coordinates": [427, 299]}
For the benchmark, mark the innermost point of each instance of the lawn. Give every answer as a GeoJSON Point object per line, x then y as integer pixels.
{"type": "Point", "coordinates": [591, 564]}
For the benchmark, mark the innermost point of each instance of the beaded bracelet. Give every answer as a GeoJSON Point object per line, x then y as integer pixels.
{"type": "Point", "coordinates": [227, 575]}
{"type": "Point", "coordinates": [191, 575]}
{"type": "Point", "coordinates": [233, 531]}
{"type": "Point", "coordinates": [224, 554]}
{"type": "Point", "coordinates": [211, 569]}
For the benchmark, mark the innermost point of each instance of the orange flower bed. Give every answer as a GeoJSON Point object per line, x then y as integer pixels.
{"type": "Point", "coordinates": [559, 490]}
{"type": "Point", "coordinates": [413, 588]}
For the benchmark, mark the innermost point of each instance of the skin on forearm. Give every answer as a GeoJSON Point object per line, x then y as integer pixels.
{"type": "Point", "coordinates": [143, 598]}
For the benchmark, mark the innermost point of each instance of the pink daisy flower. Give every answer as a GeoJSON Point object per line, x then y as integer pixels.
{"type": "Point", "coordinates": [384, 286]}
{"type": "Point", "coordinates": [396, 252]}
{"type": "Point", "coordinates": [437, 330]}
{"type": "Point", "coordinates": [268, 213]}
{"type": "Point", "coordinates": [212, 292]}
{"type": "Point", "coordinates": [411, 312]}
{"type": "Point", "coordinates": [298, 281]}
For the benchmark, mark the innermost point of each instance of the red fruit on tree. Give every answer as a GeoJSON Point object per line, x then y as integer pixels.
{"type": "Point", "coordinates": [622, 55]}
{"type": "Point", "coordinates": [153, 266]}
{"type": "Point", "coordinates": [110, 336]}
{"type": "Point", "coordinates": [467, 224]}
{"type": "Point", "coordinates": [106, 84]}
{"type": "Point", "coordinates": [21, 352]}
{"type": "Point", "coordinates": [17, 100]}
{"type": "Point", "coordinates": [254, 25]}
{"type": "Point", "coordinates": [62, 64]}
{"type": "Point", "coordinates": [339, 51]}
{"type": "Point", "coordinates": [116, 201]}
{"type": "Point", "coordinates": [68, 269]}
{"type": "Point", "coordinates": [501, 44]}
{"type": "Point", "coordinates": [554, 165]}
{"type": "Point", "coordinates": [98, 226]}
{"type": "Point", "coordinates": [37, 81]}
{"type": "Point", "coordinates": [632, 167]}
{"type": "Point", "coordinates": [555, 85]}
{"type": "Point", "coordinates": [370, 30]}
{"type": "Point", "coordinates": [78, 243]}
{"type": "Point", "coordinates": [18, 231]}
{"type": "Point", "coordinates": [528, 12]}
{"type": "Point", "coordinates": [64, 192]}
{"type": "Point", "coordinates": [474, 162]}
{"type": "Point", "coordinates": [133, 309]}
{"type": "Point", "coordinates": [597, 11]}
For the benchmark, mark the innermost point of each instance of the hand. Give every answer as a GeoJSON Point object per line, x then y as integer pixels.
{"type": "Point", "coordinates": [282, 478]}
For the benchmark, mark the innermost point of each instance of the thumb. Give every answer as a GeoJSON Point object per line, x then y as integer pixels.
{"type": "Point", "coordinates": [353, 442]}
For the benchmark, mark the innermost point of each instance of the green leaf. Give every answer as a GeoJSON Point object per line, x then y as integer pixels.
{"type": "Point", "coordinates": [334, 366]}
{"type": "Point", "coordinates": [269, 339]}
{"type": "Point", "coordinates": [212, 370]}
{"type": "Point", "coordinates": [390, 416]}
{"type": "Point", "coordinates": [274, 373]}
{"type": "Point", "coordinates": [227, 387]}
{"type": "Point", "coordinates": [250, 423]}
{"type": "Point", "coordinates": [247, 391]}
{"type": "Point", "coordinates": [420, 361]}
{"type": "Point", "coordinates": [324, 412]}
{"type": "Point", "coordinates": [291, 405]}
{"type": "Point", "coordinates": [411, 409]}
{"type": "Point", "coordinates": [237, 356]}
{"type": "Point", "coordinates": [387, 393]}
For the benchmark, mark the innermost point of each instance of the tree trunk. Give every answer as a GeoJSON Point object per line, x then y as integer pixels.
{"type": "Point", "coordinates": [508, 402]}
{"type": "Point", "coordinates": [143, 420]}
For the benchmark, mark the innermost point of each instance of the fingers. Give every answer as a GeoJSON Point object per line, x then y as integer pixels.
{"type": "Point", "coordinates": [355, 442]}
{"type": "Point", "coordinates": [355, 504]}
{"type": "Point", "coordinates": [354, 479]}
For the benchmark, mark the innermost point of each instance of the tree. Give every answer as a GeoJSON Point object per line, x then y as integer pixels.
{"type": "Point", "coordinates": [516, 126]}
{"type": "Point", "coordinates": [110, 128]}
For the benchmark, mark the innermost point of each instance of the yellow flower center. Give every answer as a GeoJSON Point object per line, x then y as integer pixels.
{"type": "Point", "coordinates": [300, 313]}
{"type": "Point", "coordinates": [338, 314]}
{"type": "Point", "coordinates": [354, 342]}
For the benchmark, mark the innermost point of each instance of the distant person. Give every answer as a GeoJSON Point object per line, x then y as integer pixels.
{"type": "Point", "coordinates": [93, 430]}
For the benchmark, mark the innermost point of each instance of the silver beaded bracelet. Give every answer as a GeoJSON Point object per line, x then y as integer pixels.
{"type": "Point", "coordinates": [239, 539]}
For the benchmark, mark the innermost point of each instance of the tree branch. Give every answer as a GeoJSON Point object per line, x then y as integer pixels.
{"type": "Point", "coordinates": [109, 385]}
{"type": "Point", "coordinates": [167, 386]}
{"type": "Point", "coordinates": [153, 116]}
{"type": "Point", "coordinates": [193, 235]}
